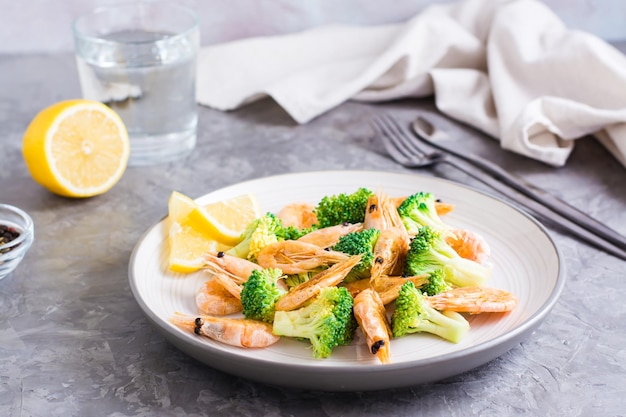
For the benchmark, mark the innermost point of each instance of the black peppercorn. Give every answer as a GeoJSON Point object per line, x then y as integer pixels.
{"type": "Point", "coordinates": [7, 234]}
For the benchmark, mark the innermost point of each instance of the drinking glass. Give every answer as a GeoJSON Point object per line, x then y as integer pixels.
{"type": "Point", "coordinates": [140, 59]}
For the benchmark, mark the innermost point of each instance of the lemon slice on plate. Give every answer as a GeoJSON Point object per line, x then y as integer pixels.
{"type": "Point", "coordinates": [195, 229]}
{"type": "Point", "coordinates": [187, 247]}
{"type": "Point", "coordinates": [76, 148]}
{"type": "Point", "coordinates": [179, 206]}
{"type": "Point", "coordinates": [226, 220]}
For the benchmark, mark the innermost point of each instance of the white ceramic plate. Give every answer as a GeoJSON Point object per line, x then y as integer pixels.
{"type": "Point", "coordinates": [526, 262]}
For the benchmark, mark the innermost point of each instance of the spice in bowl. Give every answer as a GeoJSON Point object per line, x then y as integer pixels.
{"type": "Point", "coordinates": [16, 236]}
{"type": "Point", "coordinates": [7, 234]}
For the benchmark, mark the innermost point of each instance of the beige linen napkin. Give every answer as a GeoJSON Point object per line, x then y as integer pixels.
{"type": "Point", "coordinates": [507, 67]}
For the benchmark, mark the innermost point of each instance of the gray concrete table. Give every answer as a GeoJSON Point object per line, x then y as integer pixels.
{"type": "Point", "coordinates": [74, 342]}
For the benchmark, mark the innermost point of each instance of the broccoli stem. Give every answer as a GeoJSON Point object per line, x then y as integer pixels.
{"type": "Point", "coordinates": [449, 325]}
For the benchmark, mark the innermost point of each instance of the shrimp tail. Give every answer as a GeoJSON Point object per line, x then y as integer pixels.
{"type": "Point", "coordinates": [474, 300]}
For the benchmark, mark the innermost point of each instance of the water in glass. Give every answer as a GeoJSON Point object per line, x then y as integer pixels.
{"type": "Point", "coordinates": [148, 78]}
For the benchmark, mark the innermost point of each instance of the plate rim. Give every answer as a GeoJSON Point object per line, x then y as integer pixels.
{"type": "Point", "coordinates": [505, 341]}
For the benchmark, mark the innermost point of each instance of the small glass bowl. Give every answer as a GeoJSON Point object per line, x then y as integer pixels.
{"type": "Point", "coordinates": [12, 252]}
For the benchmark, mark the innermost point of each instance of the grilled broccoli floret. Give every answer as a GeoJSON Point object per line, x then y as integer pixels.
{"type": "Point", "coordinates": [436, 283]}
{"type": "Point", "coordinates": [342, 208]}
{"type": "Point", "coordinates": [260, 293]}
{"type": "Point", "coordinates": [419, 210]}
{"type": "Point", "coordinates": [327, 321]}
{"type": "Point", "coordinates": [413, 314]}
{"type": "Point", "coordinates": [357, 243]}
{"type": "Point", "coordinates": [429, 252]}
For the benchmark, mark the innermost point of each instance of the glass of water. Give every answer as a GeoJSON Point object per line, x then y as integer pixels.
{"type": "Point", "coordinates": [140, 60]}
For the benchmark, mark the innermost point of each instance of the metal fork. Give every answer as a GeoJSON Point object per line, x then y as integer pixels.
{"type": "Point", "coordinates": [407, 151]}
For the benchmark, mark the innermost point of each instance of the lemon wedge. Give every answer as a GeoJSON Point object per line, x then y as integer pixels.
{"type": "Point", "coordinates": [225, 220]}
{"type": "Point", "coordinates": [179, 206]}
{"type": "Point", "coordinates": [195, 229]}
{"type": "Point", "coordinates": [187, 248]}
{"type": "Point", "coordinates": [76, 148]}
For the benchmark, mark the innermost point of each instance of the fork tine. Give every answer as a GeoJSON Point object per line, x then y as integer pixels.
{"type": "Point", "coordinates": [400, 145]}
{"type": "Point", "coordinates": [401, 135]}
{"type": "Point", "coordinates": [394, 147]}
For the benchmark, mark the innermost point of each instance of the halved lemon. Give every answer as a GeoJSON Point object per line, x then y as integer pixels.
{"type": "Point", "coordinates": [76, 148]}
{"type": "Point", "coordinates": [225, 220]}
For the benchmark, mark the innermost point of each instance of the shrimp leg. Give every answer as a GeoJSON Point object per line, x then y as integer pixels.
{"type": "Point", "coordinates": [229, 285]}
{"type": "Point", "coordinates": [370, 313]}
{"type": "Point", "coordinates": [387, 287]}
{"type": "Point", "coordinates": [236, 268]}
{"type": "Point", "coordinates": [296, 257]}
{"type": "Point", "coordinates": [304, 292]}
{"type": "Point", "coordinates": [235, 332]}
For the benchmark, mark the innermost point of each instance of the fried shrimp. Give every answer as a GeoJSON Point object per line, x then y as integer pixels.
{"type": "Point", "coordinates": [231, 331]}
{"type": "Point", "coordinates": [370, 313]}
{"type": "Point", "coordinates": [295, 257]}
{"type": "Point", "coordinates": [300, 215]}
{"type": "Point", "coordinates": [469, 245]}
{"type": "Point", "coordinates": [304, 292]}
{"type": "Point", "coordinates": [214, 298]}
{"type": "Point", "coordinates": [329, 236]}
{"type": "Point", "coordinates": [474, 300]}
{"type": "Point", "coordinates": [236, 268]}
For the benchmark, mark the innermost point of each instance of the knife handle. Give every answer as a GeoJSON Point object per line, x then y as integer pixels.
{"type": "Point", "coordinates": [536, 208]}
{"type": "Point", "coordinates": [554, 203]}
{"type": "Point", "coordinates": [426, 131]}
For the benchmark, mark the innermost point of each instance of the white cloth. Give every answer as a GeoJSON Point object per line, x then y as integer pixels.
{"type": "Point", "coordinates": [507, 67]}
